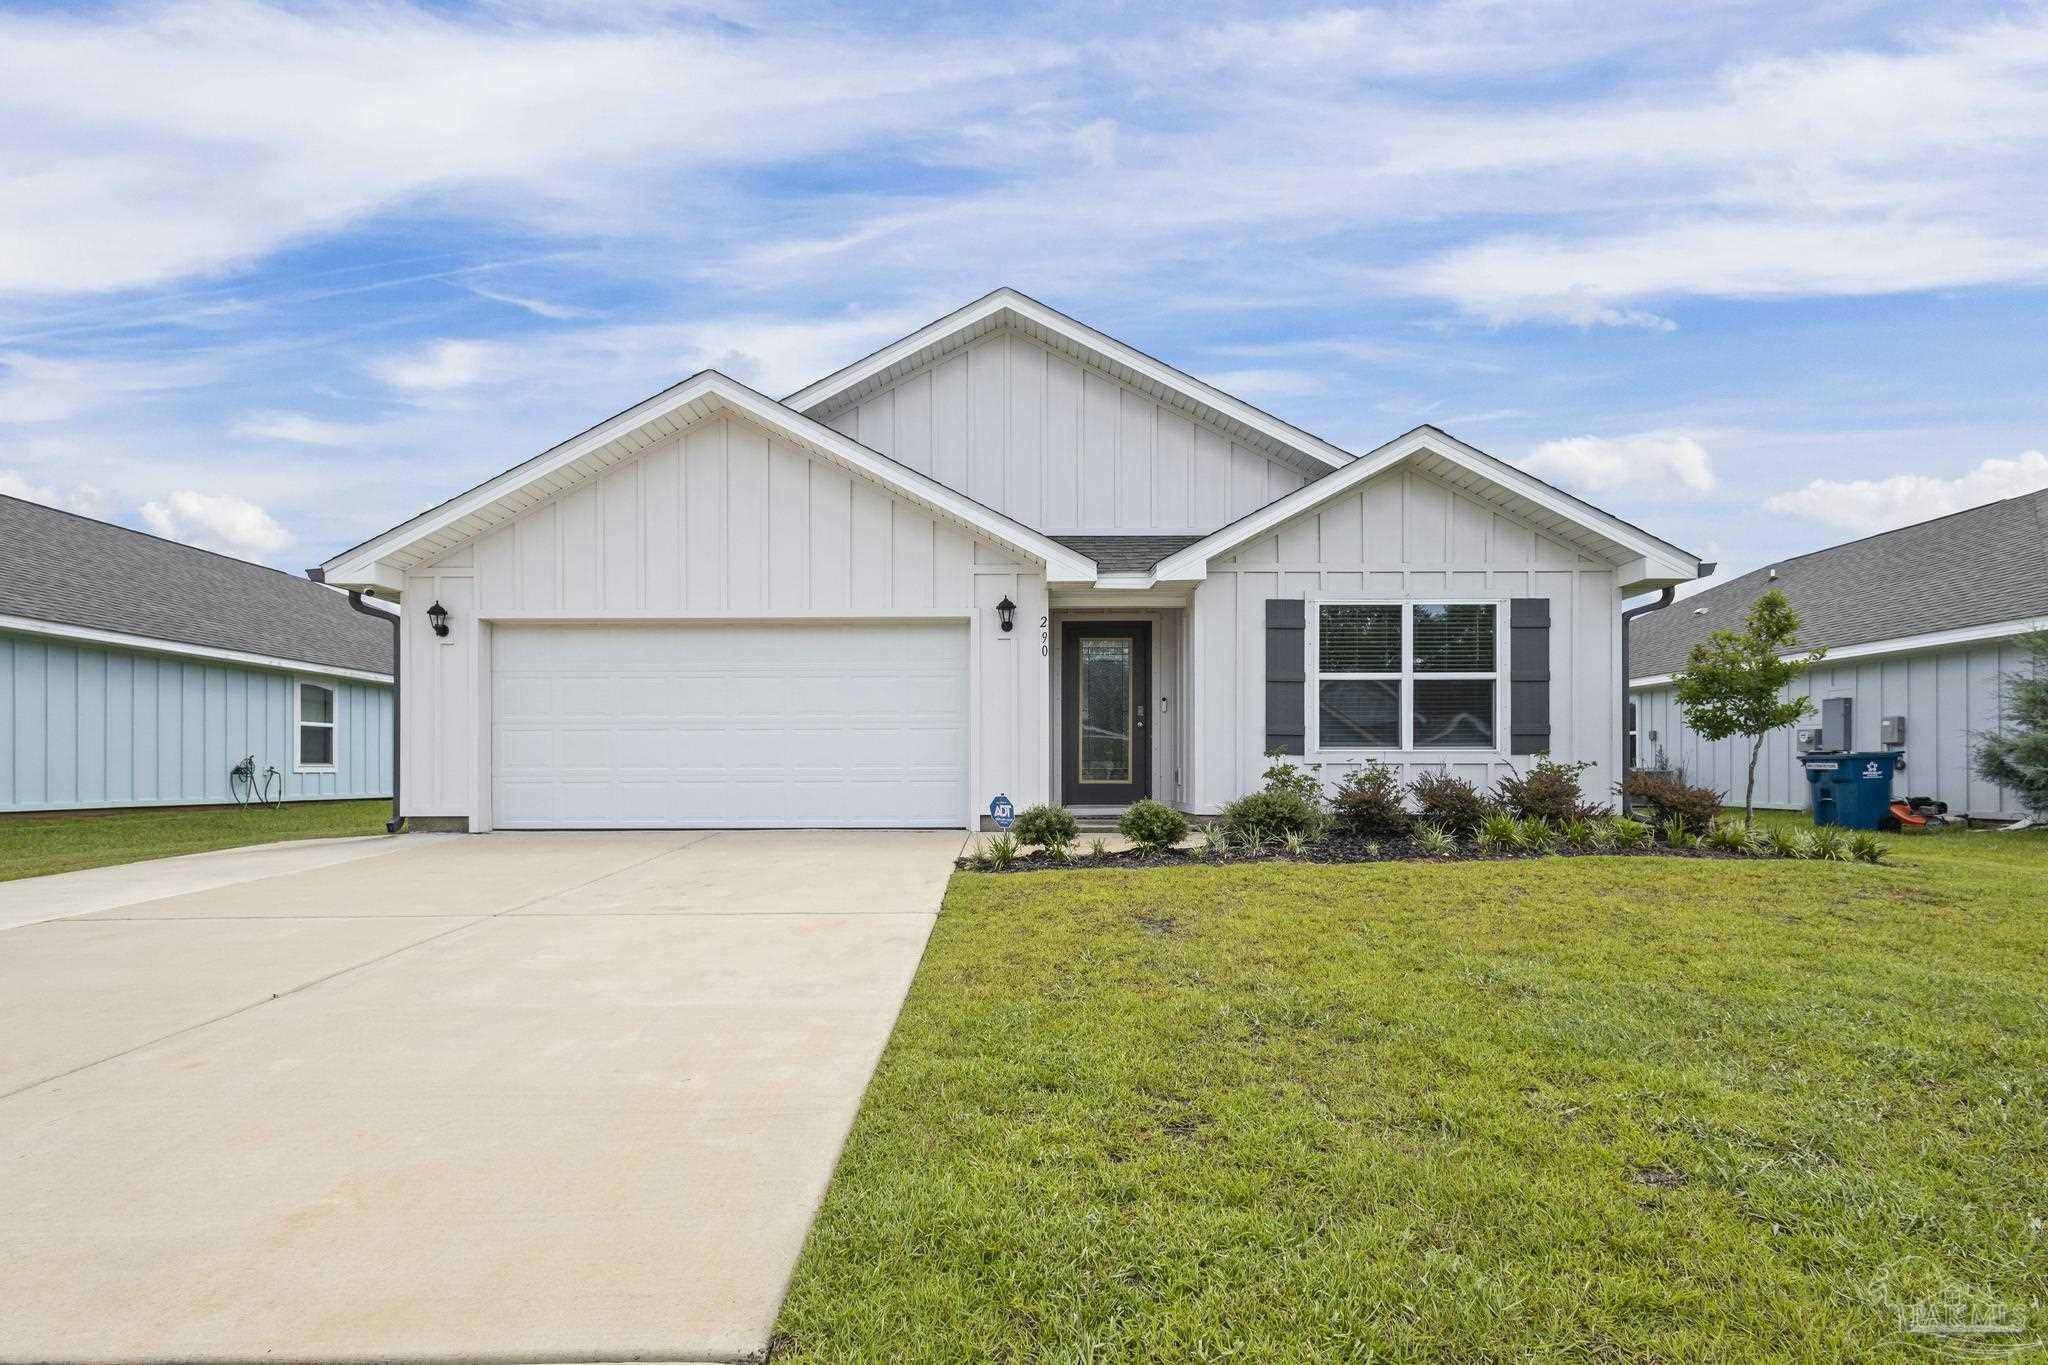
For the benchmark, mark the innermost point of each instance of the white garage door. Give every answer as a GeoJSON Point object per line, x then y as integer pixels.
{"type": "Point", "coordinates": [606, 727]}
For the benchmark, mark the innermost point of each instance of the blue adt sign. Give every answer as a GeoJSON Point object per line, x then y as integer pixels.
{"type": "Point", "coordinates": [1001, 812]}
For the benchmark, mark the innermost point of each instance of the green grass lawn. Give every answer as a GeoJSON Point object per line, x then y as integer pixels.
{"type": "Point", "coordinates": [34, 845]}
{"type": "Point", "coordinates": [1586, 1109]}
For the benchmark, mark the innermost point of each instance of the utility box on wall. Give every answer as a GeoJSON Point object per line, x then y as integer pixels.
{"type": "Point", "coordinates": [1836, 732]}
{"type": "Point", "coordinates": [1891, 730]}
{"type": "Point", "coordinates": [1808, 737]}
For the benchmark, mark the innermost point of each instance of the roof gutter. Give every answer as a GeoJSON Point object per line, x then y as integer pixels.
{"type": "Point", "coordinates": [1664, 599]}
{"type": "Point", "coordinates": [355, 601]}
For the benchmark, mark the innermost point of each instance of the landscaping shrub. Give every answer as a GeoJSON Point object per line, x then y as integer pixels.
{"type": "Point", "coordinates": [1829, 844]}
{"type": "Point", "coordinates": [1436, 841]}
{"type": "Point", "coordinates": [1215, 841]}
{"type": "Point", "coordinates": [1535, 835]}
{"type": "Point", "coordinates": [1153, 826]}
{"type": "Point", "coordinates": [1631, 833]}
{"type": "Point", "coordinates": [1729, 837]}
{"type": "Point", "coordinates": [1049, 827]}
{"type": "Point", "coordinates": [1283, 775]}
{"type": "Point", "coordinates": [1866, 847]}
{"type": "Point", "coordinates": [999, 852]}
{"type": "Point", "coordinates": [1450, 803]}
{"type": "Point", "coordinates": [1784, 842]}
{"type": "Point", "coordinates": [1368, 802]}
{"type": "Point", "coordinates": [1498, 833]}
{"type": "Point", "coordinates": [1671, 799]}
{"type": "Point", "coordinates": [1269, 815]}
{"type": "Point", "coordinates": [1580, 832]}
{"type": "Point", "coordinates": [1548, 791]}
{"type": "Point", "coordinates": [1678, 834]}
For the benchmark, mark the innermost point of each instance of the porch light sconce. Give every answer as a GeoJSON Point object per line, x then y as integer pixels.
{"type": "Point", "coordinates": [1006, 612]}
{"type": "Point", "coordinates": [438, 616]}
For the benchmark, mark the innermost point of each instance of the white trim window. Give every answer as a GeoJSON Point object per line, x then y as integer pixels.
{"type": "Point", "coordinates": [1407, 675]}
{"type": "Point", "coordinates": [314, 720]}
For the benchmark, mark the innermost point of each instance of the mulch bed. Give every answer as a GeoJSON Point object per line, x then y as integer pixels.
{"type": "Point", "coordinates": [1337, 849]}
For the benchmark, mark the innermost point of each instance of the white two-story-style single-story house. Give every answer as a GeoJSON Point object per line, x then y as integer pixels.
{"type": "Point", "coordinates": [1004, 556]}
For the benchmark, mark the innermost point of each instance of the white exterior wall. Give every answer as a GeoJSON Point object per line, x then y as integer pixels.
{"type": "Point", "coordinates": [1060, 447]}
{"type": "Point", "coordinates": [1399, 536]}
{"type": "Point", "coordinates": [726, 522]}
{"type": "Point", "coordinates": [1949, 697]}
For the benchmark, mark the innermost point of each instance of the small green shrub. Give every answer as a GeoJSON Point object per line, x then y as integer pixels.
{"type": "Point", "coordinates": [1293, 843]}
{"type": "Point", "coordinates": [1001, 851]}
{"type": "Point", "coordinates": [1450, 803]}
{"type": "Point", "coordinates": [1631, 834]}
{"type": "Point", "coordinates": [1499, 833]}
{"type": "Point", "coordinates": [1369, 804]}
{"type": "Point", "coordinates": [1580, 832]}
{"type": "Point", "coordinates": [1269, 814]}
{"type": "Point", "coordinates": [1669, 798]}
{"type": "Point", "coordinates": [1829, 844]}
{"type": "Point", "coordinates": [1215, 842]}
{"type": "Point", "coordinates": [1535, 835]}
{"type": "Point", "coordinates": [1728, 837]}
{"type": "Point", "coordinates": [1098, 847]}
{"type": "Point", "coordinates": [1436, 841]}
{"type": "Point", "coordinates": [1866, 847]}
{"type": "Point", "coordinates": [1780, 841]}
{"type": "Point", "coordinates": [1153, 826]}
{"type": "Point", "coordinates": [1283, 774]}
{"type": "Point", "coordinates": [1548, 791]}
{"type": "Point", "coordinates": [1049, 827]}
{"type": "Point", "coordinates": [1678, 834]}
{"type": "Point", "coordinates": [1372, 848]}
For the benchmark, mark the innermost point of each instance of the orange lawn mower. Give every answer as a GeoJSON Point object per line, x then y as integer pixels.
{"type": "Point", "coordinates": [1920, 812]}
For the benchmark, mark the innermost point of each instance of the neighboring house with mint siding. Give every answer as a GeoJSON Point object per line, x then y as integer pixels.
{"type": "Point", "coordinates": [1005, 556]}
{"type": "Point", "coordinates": [136, 671]}
{"type": "Point", "coordinates": [1921, 626]}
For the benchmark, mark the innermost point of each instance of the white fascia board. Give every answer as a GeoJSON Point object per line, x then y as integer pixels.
{"type": "Point", "coordinates": [1080, 334]}
{"type": "Point", "coordinates": [1659, 561]}
{"type": "Point", "coordinates": [1904, 644]}
{"type": "Point", "coordinates": [150, 644]}
{"type": "Point", "coordinates": [360, 566]}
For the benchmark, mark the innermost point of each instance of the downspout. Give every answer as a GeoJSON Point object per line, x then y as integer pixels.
{"type": "Point", "coordinates": [1664, 599]}
{"type": "Point", "coordinates": [355, 600]}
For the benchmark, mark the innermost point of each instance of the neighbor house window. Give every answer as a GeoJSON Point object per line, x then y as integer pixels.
{"type": "Point", "coordinates": [316, 727]}
{"type": "Point", "coordinates": [1413, 675]}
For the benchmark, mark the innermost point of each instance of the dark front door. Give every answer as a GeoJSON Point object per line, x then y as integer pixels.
{"type": "Point", "coordinates": [1106, 685]}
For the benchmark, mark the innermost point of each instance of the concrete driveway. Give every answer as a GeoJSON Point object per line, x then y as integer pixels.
{"type": "Point", "coordinates": [532, 1097]}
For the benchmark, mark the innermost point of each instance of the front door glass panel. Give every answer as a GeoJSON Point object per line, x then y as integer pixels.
{"type": "Point", "coordinates": [1107, 751]}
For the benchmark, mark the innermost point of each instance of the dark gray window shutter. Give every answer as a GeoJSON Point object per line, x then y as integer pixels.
{"type": "Point", "coordinates": [1286, 675]}
{"type": "Point", "coordinates": [1529, 675]}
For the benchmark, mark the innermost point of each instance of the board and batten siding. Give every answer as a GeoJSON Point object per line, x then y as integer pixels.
{"type": "Point", "coordinates": [98, 727]}
{"type": "Point", "coordinates": [1400, 536]}
{"type": "Point", "coordinates": [1950, 699]}
{"type": "Point", "coordinates": [726, 521]}
{"type": "Point", "coordinates": [1061, 447]}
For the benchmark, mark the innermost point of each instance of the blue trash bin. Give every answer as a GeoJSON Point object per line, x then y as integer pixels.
{"type": "Point", "coordinates": [1853, 790]}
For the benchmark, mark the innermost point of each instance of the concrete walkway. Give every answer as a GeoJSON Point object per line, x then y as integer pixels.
{"type": "Point", "coordinates": [539, 1097]}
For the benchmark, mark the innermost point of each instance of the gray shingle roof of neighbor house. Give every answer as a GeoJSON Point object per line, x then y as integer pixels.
{"type": "Point", "coordinates": [1970, 568]}
{"type": "Point", "coordinates": [71, 570]}
{"type": "Point", "coordinates": [1127, 554]}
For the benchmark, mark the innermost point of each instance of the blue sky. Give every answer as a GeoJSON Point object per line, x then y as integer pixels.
{"type": "Point", "coordinates": [1758, 277]}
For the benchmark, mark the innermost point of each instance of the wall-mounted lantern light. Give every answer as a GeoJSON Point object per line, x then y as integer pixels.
{"type": "Point", "coordinates": [1006, 612]}
{"type": "Point", "coordinates": [438, 616]}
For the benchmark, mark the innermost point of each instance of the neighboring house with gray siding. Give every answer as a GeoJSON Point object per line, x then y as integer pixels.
{"type": "Point", "coordinates": [1006, 555]}
{"type": "Point", "coordinates": [136, 671]}
{"type": "Point", "coordinates": [1919, 623]}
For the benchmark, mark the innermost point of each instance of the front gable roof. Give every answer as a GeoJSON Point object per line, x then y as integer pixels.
{"type": "Point", "coordinates": [1641, 560]}
{"type": "Point", "coordinates": [380, 563]}
{"type": "Point", "coordinates": [1251, 427]}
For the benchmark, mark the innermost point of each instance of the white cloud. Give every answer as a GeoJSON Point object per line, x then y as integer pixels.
{"type": "Point", "coordinates": [1648, 461]}
{"type": "Point", "coordinates": [83, 498]}
{"type": "Point", "coordinates": [1263, 383]}
{"type": "Point", "coordinates": [40, 388]}
{"type": "Point", "coordinates": [300, 428]}
{"type": "Point", "coordinates": [217, 521]}
{"type": "Point", "coordinates": [215, 131]}
{"type": "Point", "coordinates": [1868, 505]}
{"type": "Point", "coordinates": [441, 367]}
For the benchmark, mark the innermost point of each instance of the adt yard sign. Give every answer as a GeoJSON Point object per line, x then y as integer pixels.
{"type": "Point", "coordinates": [1001, 812]}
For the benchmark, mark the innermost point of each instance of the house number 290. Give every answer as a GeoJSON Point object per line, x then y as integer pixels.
{"type": "Point", "coordinates": [1044, 637]}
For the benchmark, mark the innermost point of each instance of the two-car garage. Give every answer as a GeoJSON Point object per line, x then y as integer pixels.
{"type": "Point", "coordinates": [723, 724]}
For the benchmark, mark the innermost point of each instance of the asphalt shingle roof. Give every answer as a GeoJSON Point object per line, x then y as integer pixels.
{"type": "Point", "coordinates": [1127, 554]}
{"type": "Point", "coordinates": [72, 570]}
{"type": "Point", "coordinates": [1971, 568]}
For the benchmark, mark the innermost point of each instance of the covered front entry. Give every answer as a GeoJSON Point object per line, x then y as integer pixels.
{"type": "Point", "coordinates": [1105, 719]}
{"type": "Point", "coordinates": [709, 725]}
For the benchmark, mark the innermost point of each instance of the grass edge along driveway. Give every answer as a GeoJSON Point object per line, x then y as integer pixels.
{"type": "Point", "coordinates": [1605, 1108]}
{"type": "Point", "coordinates": [35, 845]}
